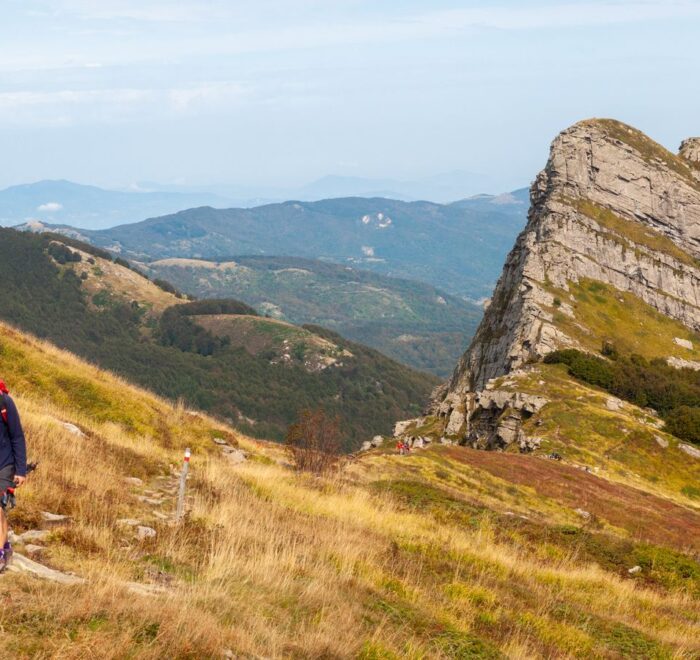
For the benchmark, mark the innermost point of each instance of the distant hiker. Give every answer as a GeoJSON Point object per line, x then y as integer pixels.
{"type": "Point", "coordinates": [13, 465]}
{"type": "Point", "coordinates": [399, 446]}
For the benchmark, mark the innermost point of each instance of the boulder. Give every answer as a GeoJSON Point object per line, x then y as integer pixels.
{"type": "Point", "coordinates": [54, 518]}
{"type": "Point", "coordinates": [143, 532]}
{"type": "Point", "coordinates": [401, 427]}
{"type": "Point", "coordinates": [73, 429]}
{"type": "Point", "coordinates": [33, 550]}
{"type": "Point", "coordinates": [680, 363]}
{"type": "Point", "coordinates": [133, 481]}
{"type": "Point", "coordinates": [685, 343]}
{"type": "Point", "coordinates": [366, 446]}
{"type": "Point", "coordinates": [236, 456]}
{"type": "Point", "coordinates": [689, 449]}
{"type": "Point", "coordinates": [634, 570]}
{"type": "Point", "coordinates": [661, 442]}
{"type": "Point", "coordinates": [34, 535]}
{"type": "Point", "coordinates": [22, 564]}
{"type": "Point", "coordinates": [377, 441]}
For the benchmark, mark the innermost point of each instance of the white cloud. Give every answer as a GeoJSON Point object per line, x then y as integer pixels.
{"type": "Point", "coordinates": [50, 207]}
{"type": "Point", "coordinates": [66, 107]}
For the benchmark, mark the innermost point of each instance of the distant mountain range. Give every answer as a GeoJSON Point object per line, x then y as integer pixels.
{"type": "Point", "coordinates": [90, 207]}
{"type": "Point", "coordinates": [441, 188]}
{"type": "Point", "coordinates": [458, 247]}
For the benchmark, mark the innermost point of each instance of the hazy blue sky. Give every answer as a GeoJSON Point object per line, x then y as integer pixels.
{"type": "Point", "coordinates": [280, 92]}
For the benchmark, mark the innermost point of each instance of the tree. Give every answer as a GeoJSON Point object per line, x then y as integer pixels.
{"type": "Point", "coordinates": [313, 443]}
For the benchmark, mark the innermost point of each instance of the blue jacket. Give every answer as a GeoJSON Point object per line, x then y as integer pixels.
{"type": "Point", "coordinates": [13, 450]}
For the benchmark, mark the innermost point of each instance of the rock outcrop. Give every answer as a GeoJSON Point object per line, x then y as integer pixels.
{"type": "Point", "coordinates": [611, 205]}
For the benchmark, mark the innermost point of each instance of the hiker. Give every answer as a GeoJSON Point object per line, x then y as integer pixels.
{"type": "Point", "coordinates": [399, 447]}
{"type": "Point", "coordinates": [13, 465]}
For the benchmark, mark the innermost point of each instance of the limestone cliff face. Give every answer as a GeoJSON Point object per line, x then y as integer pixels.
{"type": "Point", "coordinates": [611, 205]}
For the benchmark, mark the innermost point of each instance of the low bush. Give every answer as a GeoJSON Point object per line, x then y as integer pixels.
{"type": "Point", "coordinates": [673, 393]}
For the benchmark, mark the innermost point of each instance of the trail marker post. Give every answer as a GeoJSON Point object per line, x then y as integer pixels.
{"type": "Point", "coordinates": [183, 480]}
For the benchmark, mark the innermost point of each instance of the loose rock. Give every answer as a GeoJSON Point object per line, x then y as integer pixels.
{"type": "Point", "coordinates": [54, 518]}
{"type": "Point", "coordinates": [691, 451]}
{"type": "Point", "coordinates": [143, 532]}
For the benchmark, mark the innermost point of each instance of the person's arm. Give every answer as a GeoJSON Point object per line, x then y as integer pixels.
{"type": "Point", "coordinates": [19, 447]}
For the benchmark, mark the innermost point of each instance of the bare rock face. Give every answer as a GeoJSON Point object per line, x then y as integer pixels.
{"type": "Point", "coordinates": [611, 205]}
{"type": "Point", "coordinates": [690, 149]}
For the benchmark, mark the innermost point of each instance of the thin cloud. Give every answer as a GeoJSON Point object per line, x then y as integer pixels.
{"type": "Point", "coordinates": [116, 105]}
{"type": "Point", "coordinates": [50, 207]}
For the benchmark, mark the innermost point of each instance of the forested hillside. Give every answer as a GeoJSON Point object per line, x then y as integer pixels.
{"type": "Point", "coordinates": [411, 322]}
{"type": "Point", "coordinates": [458, 247]}
{"type": "Point", "coordinates": [111, 315]}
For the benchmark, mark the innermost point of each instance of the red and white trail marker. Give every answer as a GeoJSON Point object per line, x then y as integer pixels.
{"type": "Point", "coordinates": [183, 481]}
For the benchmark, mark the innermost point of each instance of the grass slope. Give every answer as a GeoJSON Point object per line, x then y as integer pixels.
{"type": "Point", "coordinates": [411, 322]}
{"type": "Point", "coordinates": [438, 554]}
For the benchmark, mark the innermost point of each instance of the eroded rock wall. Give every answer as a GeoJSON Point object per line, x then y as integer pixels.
{"type": "Point", "coordinates": [611, 205]}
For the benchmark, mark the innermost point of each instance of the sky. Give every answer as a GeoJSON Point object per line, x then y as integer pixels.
{"type": "Point", "coordinates": [281, 92]}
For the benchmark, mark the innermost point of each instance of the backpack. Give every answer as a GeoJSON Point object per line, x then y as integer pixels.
{"type": "Point", "coordinates": [3, 401]}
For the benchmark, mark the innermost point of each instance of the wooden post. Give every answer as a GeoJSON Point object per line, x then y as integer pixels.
{"type": "Point", "coordinates": [183, 480]}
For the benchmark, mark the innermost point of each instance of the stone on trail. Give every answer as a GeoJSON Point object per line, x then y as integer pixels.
{"type": "Point", "coordinates": [22, 564]}
{"type": "Point", "coordinates": [145, 589]}
{"type": "Point", "coordinates": [143, 532]}
{"type": "Point", "coordinates": [32, 549]}
{"type": "Point", "coordinates": [220, 441]}
{"type": "Point", "coordinates": [33, 535]}
{"type": "Point", "coordinates": [73, 429]}
{"type": "Point", "coordinates": [53, 518]}
{"type": "Point", "coordinates": [134, 481]}
{"type": "Point", "coordinates": [634, 570]}
{"type": "Point", "coordinates": [129, 522]}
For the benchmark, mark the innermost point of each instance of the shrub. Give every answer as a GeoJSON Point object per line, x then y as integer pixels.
{"type": "Point", "coordinates": [167, 287]}
{"type": "Point", "coordinates": [684, 422]}
{"type": "Point", "coordinates": [63, 254]}
{"type": "Point", "coordinates": [313, 443]}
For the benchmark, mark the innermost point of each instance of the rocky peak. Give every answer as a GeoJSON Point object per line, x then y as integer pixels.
{"type": "Point", "coordinates": [610, 206]}
{"type": "Point", "coordinates": [690, 150]}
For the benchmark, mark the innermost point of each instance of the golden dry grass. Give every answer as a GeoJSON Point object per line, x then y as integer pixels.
{"type": "Point", "coordinates": [270, 563]}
